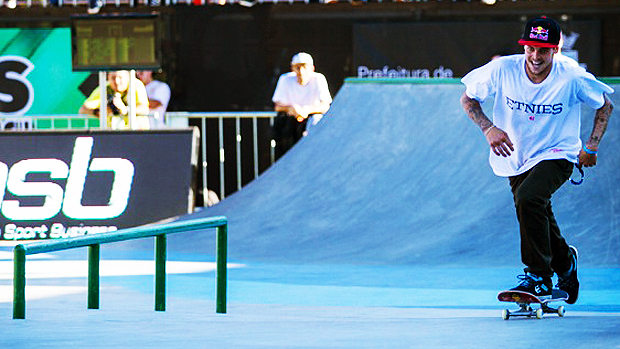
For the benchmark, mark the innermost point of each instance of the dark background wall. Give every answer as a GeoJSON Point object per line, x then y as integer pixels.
{"type": "Point", "coordinates": [229, 58]}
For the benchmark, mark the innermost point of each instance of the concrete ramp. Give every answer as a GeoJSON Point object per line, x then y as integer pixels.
{"type": "Point", "coordinates": [397, 174]}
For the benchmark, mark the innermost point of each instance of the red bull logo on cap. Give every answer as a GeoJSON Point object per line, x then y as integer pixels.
{"type": "Point", "coordinates": [539, 33]}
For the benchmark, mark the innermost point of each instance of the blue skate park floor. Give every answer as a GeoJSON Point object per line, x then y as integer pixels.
{"type": "Point", "coordinates": [384, 228]}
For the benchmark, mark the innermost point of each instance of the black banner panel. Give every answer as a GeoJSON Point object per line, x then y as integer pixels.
{"type": "Point", "coordinates": [452, 49]}
{"type": "Point", "coordinates": [63, 184]}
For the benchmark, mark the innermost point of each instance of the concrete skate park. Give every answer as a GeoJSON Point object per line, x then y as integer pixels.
{"type": "Point", "coordinates": [385, 228]}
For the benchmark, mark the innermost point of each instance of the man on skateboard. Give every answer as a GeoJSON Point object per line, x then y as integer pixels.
{"type": "Point", "coordinates": [534, 141]}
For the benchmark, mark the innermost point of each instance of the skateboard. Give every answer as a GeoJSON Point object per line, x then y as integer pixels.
{"type": "Point", "coordinates": [525, 301]}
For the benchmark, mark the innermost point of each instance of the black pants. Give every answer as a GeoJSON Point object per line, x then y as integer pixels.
{"type": "Point", "coordinates": [543, 249]}
{"type": "Point", "coordinates": [286, 132]}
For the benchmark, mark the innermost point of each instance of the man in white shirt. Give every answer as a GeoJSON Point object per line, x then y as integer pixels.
{"type": "Point", "coordinates": [159, 97]}
{"type": "Point", "coordinates": [534, 141]}
{"type": "Point", "coordinates": [301, 98]}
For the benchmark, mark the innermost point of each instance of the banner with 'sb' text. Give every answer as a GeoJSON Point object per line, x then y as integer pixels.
{"type": "Point", "coordinates": [58, 185]}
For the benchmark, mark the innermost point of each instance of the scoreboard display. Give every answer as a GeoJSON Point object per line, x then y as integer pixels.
{"type": "Point", "coordinates": [115, 42]}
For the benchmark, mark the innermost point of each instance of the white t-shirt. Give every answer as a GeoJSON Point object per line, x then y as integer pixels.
{"type": "Point", "coordinates": [289, 91]}
{"type": "Point", "coordinates": [159, 91]}
{"type": "Point", "coordinates": [542, 120]}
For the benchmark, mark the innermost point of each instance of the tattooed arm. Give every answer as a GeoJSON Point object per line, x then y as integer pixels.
{"type": "Point", "coordinates": [601, 118]}
{"type": "Point", "coordinates": [498, 140]}
{"type": "Point", "coordinates": [474, 111]}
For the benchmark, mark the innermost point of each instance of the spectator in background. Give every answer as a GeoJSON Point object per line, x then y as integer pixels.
{"type": "Point", "coordinates": [159, 96]}
{"type": "Point", "coordinates": [118, 111]}
{"type": "Point", "coordinates": [301, 98]}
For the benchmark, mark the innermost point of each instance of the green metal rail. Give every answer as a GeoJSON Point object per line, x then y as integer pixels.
{"type": "Point", "coordinates": [93, 243]}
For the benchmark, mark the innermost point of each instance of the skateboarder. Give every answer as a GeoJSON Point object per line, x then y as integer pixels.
{"type": "Point", "coordinates": [534, 141]}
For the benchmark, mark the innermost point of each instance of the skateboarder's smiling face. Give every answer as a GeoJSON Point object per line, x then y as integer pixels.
{"type": "Point", "coordinates": [538, 62]}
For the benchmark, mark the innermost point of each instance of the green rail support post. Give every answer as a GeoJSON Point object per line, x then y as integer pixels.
{"type": "Point", "coordinates": [160, 272]}
{"type": "Point", "coordinates": [221, 261]}
{"type": "Point", "coordinates": [93, 276]}
{"type": "Point", "coordinates": [19, 282]}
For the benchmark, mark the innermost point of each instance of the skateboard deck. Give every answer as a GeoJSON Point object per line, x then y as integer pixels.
{"type": "Point", "coordinates": [526, 300]}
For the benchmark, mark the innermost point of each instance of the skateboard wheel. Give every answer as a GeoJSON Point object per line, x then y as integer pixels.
{"type": "Point", "coordinates": [539, 313]}
{"type": "Point", "coordinates": [561, 311]}
{"type": "Point", "coordinates": [505, 314]}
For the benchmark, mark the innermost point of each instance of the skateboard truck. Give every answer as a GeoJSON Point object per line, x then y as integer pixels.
{"type": "Point", "coordinates": [527, 311]}
{"type": "Point", "coordinates": [525, 301]}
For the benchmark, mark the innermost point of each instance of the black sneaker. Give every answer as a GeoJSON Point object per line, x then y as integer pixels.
{"type": "Point", "coordinates": [534, 284]}
{"type": "Point", "coordinates": [569, 282]}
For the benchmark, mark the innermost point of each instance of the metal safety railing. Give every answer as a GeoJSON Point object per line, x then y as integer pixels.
{"type": "Point", "coordinates": [77, 122]}
{"type": "Point", "coordinates": [220, 116]}
{"type": "Point", "coordinates": [93, 243]}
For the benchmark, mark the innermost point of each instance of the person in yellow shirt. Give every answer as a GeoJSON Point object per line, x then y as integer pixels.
{"type": "Point", "coordinates": [117, 93]}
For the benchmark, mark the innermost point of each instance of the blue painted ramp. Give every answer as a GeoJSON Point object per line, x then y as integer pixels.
{"type": "Point", "coordinates": [397, 174]}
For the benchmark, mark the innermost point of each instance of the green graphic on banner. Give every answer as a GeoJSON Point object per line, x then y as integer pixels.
{"type": "Point", "coordinates": [35, 73]}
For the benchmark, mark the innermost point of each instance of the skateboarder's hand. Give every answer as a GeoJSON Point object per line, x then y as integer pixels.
{"type": "Point", "coordinates": [586, 160]}
{"type": "Point", "coordinates": [499, 142]}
